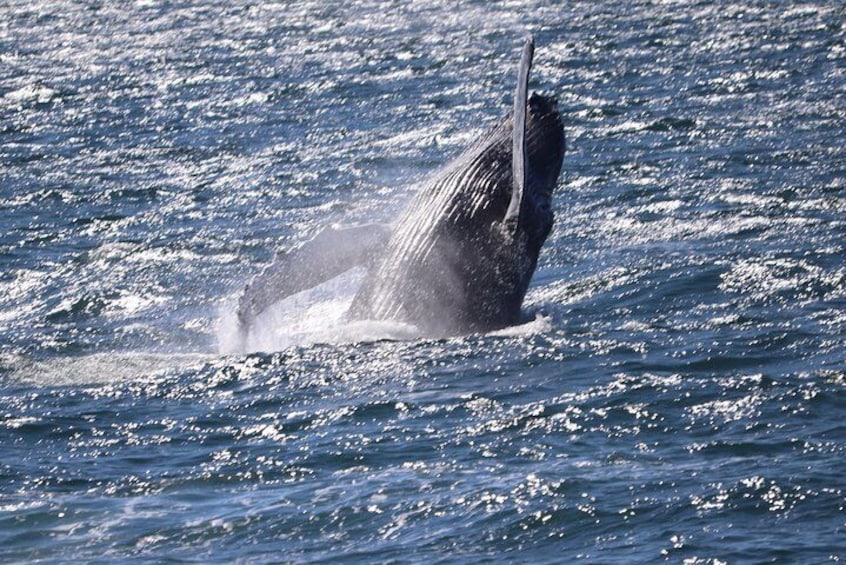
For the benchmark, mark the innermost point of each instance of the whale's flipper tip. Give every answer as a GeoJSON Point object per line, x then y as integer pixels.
{"type": "Point", "coordinates": [518, 145]}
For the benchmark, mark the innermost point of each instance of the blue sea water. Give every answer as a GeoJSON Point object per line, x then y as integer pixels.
{"type": "Point", "coordinates": [679, 395]}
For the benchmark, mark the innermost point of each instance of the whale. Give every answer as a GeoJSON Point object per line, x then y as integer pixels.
{"type": "Point", "coordinates": [460, 257]}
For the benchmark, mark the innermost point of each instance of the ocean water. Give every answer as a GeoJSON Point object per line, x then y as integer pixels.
{"type": "Point", "coordinates": [678, 392]}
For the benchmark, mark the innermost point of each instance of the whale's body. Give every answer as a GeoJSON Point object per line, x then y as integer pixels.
{"type": "Point", "coordinates": [460, 257]}
{"type": "Point", "coordinates": [451, 265]}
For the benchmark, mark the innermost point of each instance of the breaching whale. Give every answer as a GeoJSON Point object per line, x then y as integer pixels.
{"type": "Point", "coordinates": [460, 257]}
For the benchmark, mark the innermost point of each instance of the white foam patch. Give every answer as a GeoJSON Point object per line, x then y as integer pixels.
{"type": "Point", "coordinates": [99, 367]}
{"type": "Point", "coordinates": [30, 93]}
{"type": "Point", "coordinates": [539, 325]}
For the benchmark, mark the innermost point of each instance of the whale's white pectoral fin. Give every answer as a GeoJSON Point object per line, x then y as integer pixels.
{"type": "Point", "coordinates": [331, 253]}
{"type": "Point", "coordinates": [518, 147]}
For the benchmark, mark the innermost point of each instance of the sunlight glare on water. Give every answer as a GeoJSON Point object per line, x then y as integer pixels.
{"type": "Point", "coordinates": [676, 392]}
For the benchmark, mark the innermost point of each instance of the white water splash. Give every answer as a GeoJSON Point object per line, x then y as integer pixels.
{"type": "Point", "coordinates": [540, 324]}
{"type": "Point", "coordinates": [316, 315]}
{"type": "Point", "coordinates": [319, 315]}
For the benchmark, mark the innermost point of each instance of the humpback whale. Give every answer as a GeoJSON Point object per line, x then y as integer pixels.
{"type": "Point", "coordinates": [460, 257]}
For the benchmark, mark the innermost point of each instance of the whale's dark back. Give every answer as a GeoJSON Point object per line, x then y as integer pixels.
{"type": "Point", "coordinates": [449, 267]}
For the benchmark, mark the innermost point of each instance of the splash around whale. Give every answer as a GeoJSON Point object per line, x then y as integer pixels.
{"type": "Point", "coordinates": [458, 259]}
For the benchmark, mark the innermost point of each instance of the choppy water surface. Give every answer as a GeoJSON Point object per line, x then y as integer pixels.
{"type": "Point", "coordinates": [679, 395]}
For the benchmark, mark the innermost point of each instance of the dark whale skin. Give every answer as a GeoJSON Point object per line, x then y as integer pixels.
{"type": "Point", "coordinates": [449, 267]}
